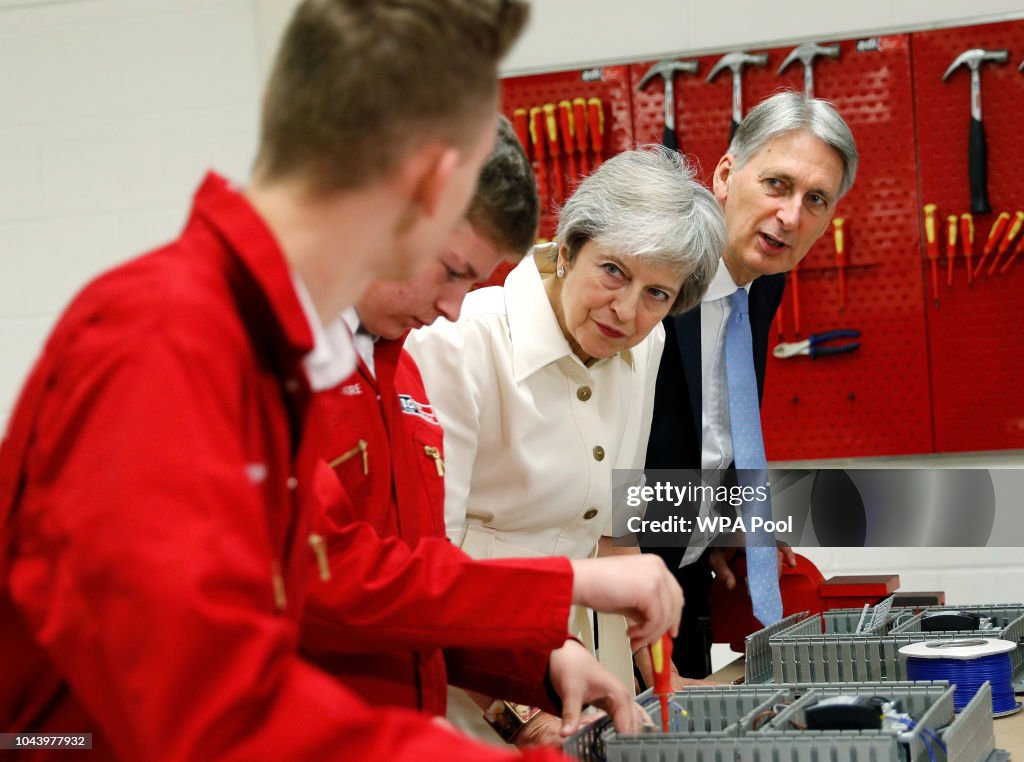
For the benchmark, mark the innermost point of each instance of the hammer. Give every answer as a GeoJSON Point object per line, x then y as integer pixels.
{"type": "Point", "coordinates": [736, 61]}
{"type": "Point", "coordinates": [667, 71]}
{"type": "Point", "coordinates": [977, 153]}
{"type": "Point", "coordinates": [806, 54]}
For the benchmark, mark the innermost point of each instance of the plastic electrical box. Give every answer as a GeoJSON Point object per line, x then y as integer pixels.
{"type": "Point", "coordinates": [769, 724]}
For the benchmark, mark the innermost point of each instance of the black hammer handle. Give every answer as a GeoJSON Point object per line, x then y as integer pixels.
{"type": "Point", "coordinates": [977, 155]}
{"type": "Point", "coordinates": [732, 131]}
{"type": "Point", "coordinates": [668, 138]}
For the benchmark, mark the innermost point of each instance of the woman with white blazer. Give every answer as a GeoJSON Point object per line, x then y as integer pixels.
{"type": "Point", "coordinates": [545, 385]}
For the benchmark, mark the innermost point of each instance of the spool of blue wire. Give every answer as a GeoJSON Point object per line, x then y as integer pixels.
{"type": "Point", "coordinates": [967, 664]}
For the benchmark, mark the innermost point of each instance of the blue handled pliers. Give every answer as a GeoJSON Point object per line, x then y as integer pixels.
{"type": "Point", "coordinates": [811, 345]}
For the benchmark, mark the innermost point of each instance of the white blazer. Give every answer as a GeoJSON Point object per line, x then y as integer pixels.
{"type": "Point", "coordinates": [531, 434]}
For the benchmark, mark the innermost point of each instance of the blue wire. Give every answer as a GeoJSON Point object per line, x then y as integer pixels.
{"type": "Point", "coordinates": [968, 675]}
{"type": "Point", "coordinates": [929, 749]}
{"type": "Point", "coordinates": [927, 736]}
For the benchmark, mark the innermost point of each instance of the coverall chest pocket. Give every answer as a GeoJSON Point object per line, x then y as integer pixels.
{"type": "Point", "coordinates": [428, 457]}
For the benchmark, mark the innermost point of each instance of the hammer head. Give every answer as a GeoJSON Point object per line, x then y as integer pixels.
{"type": "Point", "coordinates": [808, 52]}
{"type": "Point", "coordinates": [667, 70]}
{"type": "Point", "coordinates": [974, 57]}
{"type": "Point", "coordinates": [737, 61]}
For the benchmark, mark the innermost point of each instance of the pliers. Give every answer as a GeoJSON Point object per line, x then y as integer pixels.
{"type": "Point", "coordinates": [810, 346]}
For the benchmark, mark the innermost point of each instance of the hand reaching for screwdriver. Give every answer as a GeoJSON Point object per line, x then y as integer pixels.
{"type": "Point", "coordinates": [640, 587]}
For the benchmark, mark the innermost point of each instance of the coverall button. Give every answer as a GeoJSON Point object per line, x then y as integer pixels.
{"type": "Point", "coordinates": [590, 513]}
{"type": "Point", "coordinates": [583, 393]}
{"type": "Point", "coordinates": [599, 453]}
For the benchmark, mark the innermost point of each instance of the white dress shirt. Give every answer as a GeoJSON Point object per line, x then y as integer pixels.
{"type": "Point", "coordinates": [333, 357]}
{"type": "Point", "coordinates": [523, 418]}
{"type": "Point", "coordinates": [363, 340]}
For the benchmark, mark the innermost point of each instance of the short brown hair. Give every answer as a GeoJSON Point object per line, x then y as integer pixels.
{"type": "Point", "coordinates": [357, 83]}
{"type": "Point", "coordinates": [505, 208]}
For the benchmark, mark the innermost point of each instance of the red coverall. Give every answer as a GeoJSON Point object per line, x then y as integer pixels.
{"type": "Point", "coordinates": [384, 443]}
{"type": "Point", "coordinates": [154, 510]}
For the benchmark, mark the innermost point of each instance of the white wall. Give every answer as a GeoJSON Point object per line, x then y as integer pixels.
{"type": "Point", "coordinates": [577, 33]}
{"type": "Point", "coordinates": [111, 110]}
{"type": "Point", "coordinates": [568, 34]}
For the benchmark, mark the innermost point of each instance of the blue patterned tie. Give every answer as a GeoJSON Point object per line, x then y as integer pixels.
{"type": "Point", "coordinates": [751, 464]}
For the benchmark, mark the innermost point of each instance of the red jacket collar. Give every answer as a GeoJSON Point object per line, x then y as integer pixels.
{"type": "Point", "coordinates": [229, 213]}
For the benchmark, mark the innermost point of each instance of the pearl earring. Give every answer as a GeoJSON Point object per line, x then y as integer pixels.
{"type": "Point", "coordinates": [560, 272]}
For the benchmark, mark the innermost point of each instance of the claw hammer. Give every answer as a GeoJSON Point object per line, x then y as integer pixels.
{"type": "Point", "coordinates": [667, 70]}
{"type": "Point", "coordinates": [736, 61]}
{"type": "Point", "coordinates": [977, 152]}
{"type": "Point", "coordinates": [806, 54]}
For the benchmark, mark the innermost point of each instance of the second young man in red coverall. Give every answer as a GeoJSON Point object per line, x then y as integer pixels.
{"type": "Point", "coordinates": [155, 489]}
{"type": "Point", "coordinates": [385, 445]}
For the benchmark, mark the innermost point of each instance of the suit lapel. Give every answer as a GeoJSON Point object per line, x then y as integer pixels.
{"type": "Point", "coordinates": [765, 295]}
{"type": "Point", "coordinates": [688, 339]}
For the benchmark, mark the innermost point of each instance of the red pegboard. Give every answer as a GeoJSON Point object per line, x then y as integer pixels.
{"type": "Point", "coordinates": [975, 350]}
{"type": "Point", "coordinates": [879, 400]}
{"type": "Point", "coordinates": [875, 401]}
{"type": "Point", "coordinates": [611, 85]}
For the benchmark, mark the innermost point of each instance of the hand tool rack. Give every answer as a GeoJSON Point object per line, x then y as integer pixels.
{"type": "Point", "coordinates": [722, 730]}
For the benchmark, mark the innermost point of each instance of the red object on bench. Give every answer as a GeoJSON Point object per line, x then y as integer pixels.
{"type": "Point", "coordinates": [803, 587]}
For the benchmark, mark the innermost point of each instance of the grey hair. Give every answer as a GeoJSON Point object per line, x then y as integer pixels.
{"type": "Point", "coordinates": [646, 203]}
{"type": "Point", "coordinates": [788, 111]}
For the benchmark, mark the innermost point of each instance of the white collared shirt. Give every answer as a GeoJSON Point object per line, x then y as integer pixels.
{"type": "Point", "coordinates": [333, 358]}
{"type": "Point", "coordinates": [363, 340]}
{"type": "Point", "coordinates": [716, 439]}
{"type": "Point", "coordinates": [522, 416]}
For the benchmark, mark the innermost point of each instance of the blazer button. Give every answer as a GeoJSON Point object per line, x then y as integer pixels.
{"type": "Point", "coordinates": [599, 453]}
{"type": "Point", "coordinates": [583, 393]}
{"type": "Point", "coordinates": [590, 513]}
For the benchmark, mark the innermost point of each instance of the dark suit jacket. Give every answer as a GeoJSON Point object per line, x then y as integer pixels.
{"type": "Point", "coordinates": [676, 443]}
{"type": "Point", "coordinates": [676, 429]}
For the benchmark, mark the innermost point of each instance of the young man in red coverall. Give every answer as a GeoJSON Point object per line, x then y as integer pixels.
{"type": "Point", "coordinates": [155, 496]}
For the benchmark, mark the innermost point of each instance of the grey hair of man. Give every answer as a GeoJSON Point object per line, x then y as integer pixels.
{"type": "Point", "coordinates": [646, 203]}
{"type": "Point", "coordinates": [788, 111]}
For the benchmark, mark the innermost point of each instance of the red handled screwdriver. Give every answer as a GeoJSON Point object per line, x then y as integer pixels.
{"type": "Point", "coordinates": [951, 231]}
{"type": "Point", "coordinates": [995, 235]}
{"type": "Point", "coordinates": [1008, 240]}
{"type": "Point", "coordinates": [967, 241]}
{"type": "Point", "coordinates": [932, 236]}
{"type": "Point", "coordinates": [661, 663]}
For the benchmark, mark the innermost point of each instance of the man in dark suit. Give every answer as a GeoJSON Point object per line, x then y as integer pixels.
{"type": "Point", "coordinates": [789, 163]}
